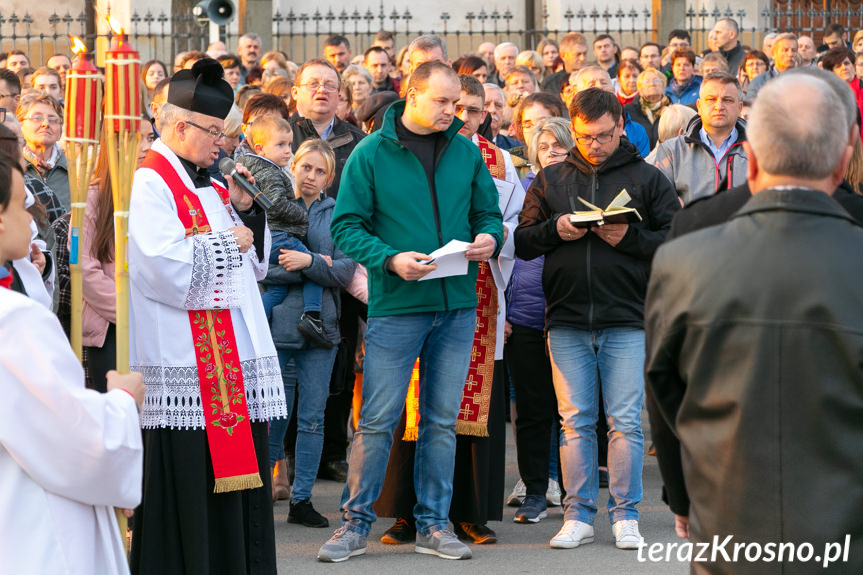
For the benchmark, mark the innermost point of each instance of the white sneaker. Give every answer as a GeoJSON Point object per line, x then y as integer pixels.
{"type": "Point", "coordinates": [572, 534]}
{"type": "Point", "coordinates": [516, 498]}
{"type": "Point", "coordinates": [626, 534]}
{"type": "Point", "coordinates": [552, 496]}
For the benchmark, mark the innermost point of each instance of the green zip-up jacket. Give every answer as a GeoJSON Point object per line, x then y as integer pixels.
{"type": "Point", "coordinates": [386, 205]}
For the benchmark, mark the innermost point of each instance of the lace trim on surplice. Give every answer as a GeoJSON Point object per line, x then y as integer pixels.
{"type": "Point", "coordinates": [173, 397]}
{"type": "Point", "coordinates": [217, 272]}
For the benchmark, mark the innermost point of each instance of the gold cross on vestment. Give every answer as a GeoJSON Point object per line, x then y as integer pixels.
{"type": "Point", "coordinates": [195, 229]}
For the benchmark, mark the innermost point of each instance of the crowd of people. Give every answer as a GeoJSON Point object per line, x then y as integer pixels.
{"type": "Point", "coordinates": [271, 333]}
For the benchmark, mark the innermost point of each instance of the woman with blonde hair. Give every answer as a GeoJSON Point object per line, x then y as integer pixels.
{"type": "Point", "coordinates": [274, 59]}
{"type": "Point", "coordinates": [650, 104]}
{"type": "Point", "coordinates": [313, 167]}
{"type": "Point", "coordinates": [673, 121]}
{"type": "Point", "coordinates": [534, 63]}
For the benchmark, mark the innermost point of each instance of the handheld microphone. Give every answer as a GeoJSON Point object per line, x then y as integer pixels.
{"type": "Point", "coordinates": [228, 167]}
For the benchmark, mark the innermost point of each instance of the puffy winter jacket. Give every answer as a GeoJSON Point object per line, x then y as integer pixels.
{"type": "Point", "coordinates": [525, 300]}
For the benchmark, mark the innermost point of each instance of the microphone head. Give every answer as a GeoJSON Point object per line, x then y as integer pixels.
{"type": "Point", "coordinates": [227, 166]}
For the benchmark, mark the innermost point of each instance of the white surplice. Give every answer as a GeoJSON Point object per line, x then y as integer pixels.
{"type": "Point", "coordinates": [171, 274]}
{"type": "Point", "coordinates": [510, 200]}
{"type": "Point", "coordinates": [67, 454]}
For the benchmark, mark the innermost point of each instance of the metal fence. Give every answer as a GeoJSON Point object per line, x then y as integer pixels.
{"type": "Point", "coordinates": [301, 33]}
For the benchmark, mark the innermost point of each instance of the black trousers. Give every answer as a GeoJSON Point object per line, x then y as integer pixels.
{"type": "Point", "coordinates": [183, 528]}
{"type": "Point", "coordinates": [536, 405]}
{"type": "Point", "coordinates": [101, 360]}
{"type": "Point", "coordinates": [338, 408]}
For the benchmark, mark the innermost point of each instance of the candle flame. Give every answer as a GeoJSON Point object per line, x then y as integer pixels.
{"type": "Point", "coordinates": [78, 46]}
{"type": "Point", "coordinates": [115, 25]}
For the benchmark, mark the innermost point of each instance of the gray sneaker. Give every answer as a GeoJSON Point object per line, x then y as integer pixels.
{"type": "Point", "coordinates": [442, 543]}
{"type": "Point", "coordinates": [343, 545]}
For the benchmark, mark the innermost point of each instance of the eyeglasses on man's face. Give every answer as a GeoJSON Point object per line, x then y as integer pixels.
{"type": "Point", "coordinates": [214, 133]}
{"type": "Point", "coordinates": [315, 86]}
{"type": "Point", "coordinates": [601, 139]}
{"type": "Point", "coordinates": [40, 119]}
{"type": "Point", "coordinates": [470, 110]}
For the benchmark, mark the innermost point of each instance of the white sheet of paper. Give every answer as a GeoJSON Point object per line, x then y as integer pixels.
{"type": "Point", "coordinates": [504, 191]}
{"type": "Point", "coordinates": [449, 259]}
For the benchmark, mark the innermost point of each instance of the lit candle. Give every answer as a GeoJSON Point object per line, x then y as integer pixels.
{"type": "Point", "coordinates": [122, 72]}
{"type": "Point", "coordinates": [83, 92]}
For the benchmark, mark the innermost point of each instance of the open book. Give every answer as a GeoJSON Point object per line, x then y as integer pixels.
{"type": "Point", "coordinates": [615, 213]}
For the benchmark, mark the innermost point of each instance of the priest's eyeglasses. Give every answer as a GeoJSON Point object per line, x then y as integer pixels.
{"type": "Point", "coordinates": [214, 133]}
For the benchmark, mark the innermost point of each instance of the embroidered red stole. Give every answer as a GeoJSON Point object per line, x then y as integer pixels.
{"type": "Point", "coordinates": [476, 395]}
{"type": "Point", "coordinates": [223, 396]}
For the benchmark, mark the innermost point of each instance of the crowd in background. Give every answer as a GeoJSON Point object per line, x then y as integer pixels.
{"type": "Point", "coordinates": [294, 125]}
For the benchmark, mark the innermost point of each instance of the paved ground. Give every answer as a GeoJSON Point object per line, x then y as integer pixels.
{"type": "Point", "coordinates": [520, 548]}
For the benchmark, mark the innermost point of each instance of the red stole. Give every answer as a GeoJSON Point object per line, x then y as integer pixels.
{"type": "Point", "coordinates": [229, 434]}
{"type": "Point", "coordinates": [476, 395]}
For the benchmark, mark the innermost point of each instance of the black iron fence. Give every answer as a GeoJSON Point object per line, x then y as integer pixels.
{"type": "Point", "coordinates": [301, 33]}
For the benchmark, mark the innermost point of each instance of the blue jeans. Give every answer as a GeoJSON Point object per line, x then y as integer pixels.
{"type": "Point", "coordinates": [443, 342]}
{"type": "Point", "coordinates": [619, 354]}
{"type": "Point", "coordinates": [278, 427]}
{"type": "Point", "coordinates": [313, 369]}
{"type": "Point", "coordinates": [275, 294]}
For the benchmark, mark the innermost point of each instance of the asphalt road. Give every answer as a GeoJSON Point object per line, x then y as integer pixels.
{"type": "Point", "coordinates": [520, 548]}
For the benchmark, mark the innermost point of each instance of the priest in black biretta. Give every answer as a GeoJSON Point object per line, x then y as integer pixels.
{"type": "Point", "coordinates": [182, 525]}
{"type": "Point", "coordinates": [202, 89]}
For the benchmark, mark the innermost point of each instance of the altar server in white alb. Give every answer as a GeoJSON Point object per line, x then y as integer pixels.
{"type": "Point", "coordinates": [68, 455]}
{"type": "Point", "coordinates": [201, 339]}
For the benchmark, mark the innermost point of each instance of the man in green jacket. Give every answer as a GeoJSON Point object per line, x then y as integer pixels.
{"type": "Point", "coordinates": [407, 190]}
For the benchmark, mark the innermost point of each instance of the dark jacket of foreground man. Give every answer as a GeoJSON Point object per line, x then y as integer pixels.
{"type": "Point", "coordinates": [755, 359]}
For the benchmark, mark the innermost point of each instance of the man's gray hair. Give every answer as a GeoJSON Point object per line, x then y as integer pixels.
{"type": "Point", "coordinates": [785, 36]}
{"type": "Point", "coordinates": [251, 36]}
{"type": "Point", "coordinates": [585, 70]}
{"type": "Point", "coordinates": [499, 48]}
{"type": "Point", "coordinates": [793, 129]}
{"type": "Point", "coordinates": [427, 43]}
{"type": "Point", "coordinates": [170, 114]}
{"type": "Point", "coordinates": [491, 86]}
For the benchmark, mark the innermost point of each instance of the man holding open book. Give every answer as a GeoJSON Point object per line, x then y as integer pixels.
{"type": "Point", "coordinates": [595, 279]}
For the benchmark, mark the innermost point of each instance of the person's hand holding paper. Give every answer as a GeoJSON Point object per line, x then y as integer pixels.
{"type": "Point", "coordinates": [450, 260]}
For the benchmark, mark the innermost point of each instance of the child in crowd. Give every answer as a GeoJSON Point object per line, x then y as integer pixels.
{"type": "Point", "coordinates": [270, 139]}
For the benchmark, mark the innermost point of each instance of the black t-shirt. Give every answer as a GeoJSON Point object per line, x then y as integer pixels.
{"type": "Point", "coordinates": [424, 146]}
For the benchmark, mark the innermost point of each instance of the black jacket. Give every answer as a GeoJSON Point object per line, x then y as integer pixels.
{"type": "Point", "coordinates": [753, 347]}
{"type": "Point", "coordinates": [344, 138]}
{"type": "Point", "coordinates": [588, 283]}
{"type": "Point", "coordinates": [734, 57]}
{"type": "Point", "coordinates": [718, 209]}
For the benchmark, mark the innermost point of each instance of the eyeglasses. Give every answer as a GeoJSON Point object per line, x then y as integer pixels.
{"type": "Point", "coordinates": [586, 140]}
{"type": "Point", "coordinates": [315, 86]}
{"type": "Point", "coordinates": [214, 133]}
{"type": "Point", "coordinates": [470, 111]}
{"type": "Point", "coordinates": [15, 96]}
{"type": "Point", "coordinates": [39, 119]}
